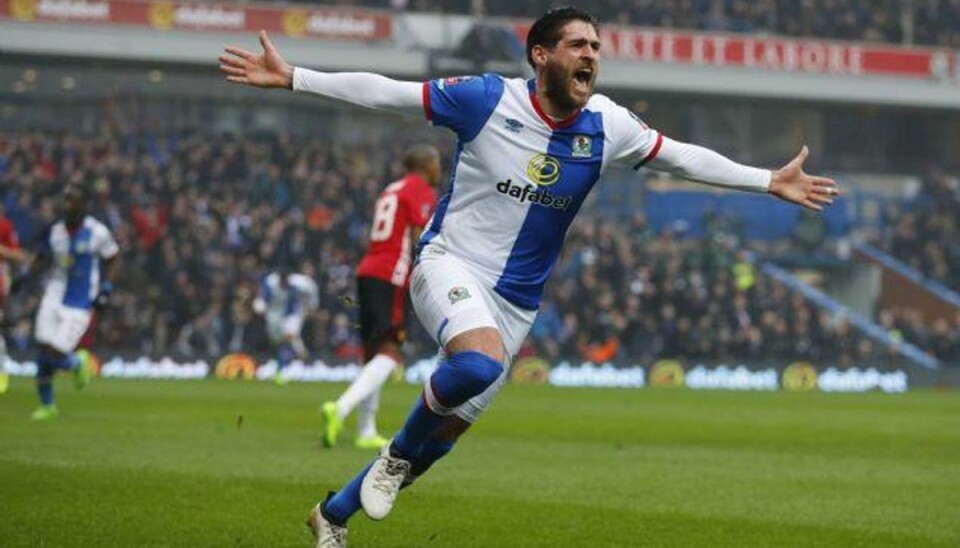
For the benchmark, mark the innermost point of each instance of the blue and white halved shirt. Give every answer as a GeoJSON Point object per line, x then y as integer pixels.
{"type": "Point", "coordinates": [519, 177]}
{"type": "Point", "coordinates": [75, 280]}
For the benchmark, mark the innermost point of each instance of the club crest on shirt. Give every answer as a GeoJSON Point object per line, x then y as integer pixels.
{"type": "Point", "coordinates": [582, 146]}
{"type": "Point", "coordinates": [457, 294]}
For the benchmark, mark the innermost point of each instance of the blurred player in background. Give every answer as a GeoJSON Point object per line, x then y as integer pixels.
{"type": "Point", "coordinates": [284, 300]}
{"type": "Point", "coordinates": [10, 254]}
{"type": "Point", "coordinates": [529, 153]}
{"type": "Point", "coordinates": [81, 254]}
{"type": "Point", "coordinates": [401, 212]}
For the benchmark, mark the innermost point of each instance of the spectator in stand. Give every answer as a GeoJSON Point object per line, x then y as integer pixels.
{"type": "Point", "coordinates": [941, 339]}
{"type": "Point", "coordinates": [925, 235]}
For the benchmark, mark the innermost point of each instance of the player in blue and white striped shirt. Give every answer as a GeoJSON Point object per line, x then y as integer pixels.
{"type": "Point", "coordinates": [285, 298]}
{"type": "Point", "coordinates": [528, 154]}
{"type": "Point", "coordinates": [80, 253]}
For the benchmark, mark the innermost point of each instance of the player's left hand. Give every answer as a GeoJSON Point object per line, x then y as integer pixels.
{"type": "Point", "coordinates": [103, 297]}
{"type": "Point", "coordinates": [792, 184]}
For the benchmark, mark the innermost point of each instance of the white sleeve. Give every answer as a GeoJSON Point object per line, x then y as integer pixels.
{"type": "Point", "coordinates": [309, 290]}
{"type": "Point", "coordinates": [362, 88]}
{"type": "Point", "coordinates": [632, 143]}
{"type": "Point", "coordinates": [106, 246]}
{"type": "Point", "coordinates": [706, 166]}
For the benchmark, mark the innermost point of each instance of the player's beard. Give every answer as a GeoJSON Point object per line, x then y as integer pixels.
{"type": "Point", "coordinates": [558, 80]}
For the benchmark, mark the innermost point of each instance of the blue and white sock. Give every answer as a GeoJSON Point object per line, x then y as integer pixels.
{"type": "Point", "coordinates": [460, 377]}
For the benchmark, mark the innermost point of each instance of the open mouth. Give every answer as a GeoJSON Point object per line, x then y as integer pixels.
{"type": "Point", "coordinates": [583, 76]}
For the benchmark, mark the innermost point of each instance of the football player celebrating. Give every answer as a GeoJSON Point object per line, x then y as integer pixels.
{"type": "Point", "coordinates": [529, 153]}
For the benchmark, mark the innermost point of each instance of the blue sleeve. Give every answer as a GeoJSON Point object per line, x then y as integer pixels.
{"type": "Point", "coordinates": [462, 104]}
{"type": "Point", "coordinates": [265, 292]}
{"type": "Point", "coordinates": [43, 241]}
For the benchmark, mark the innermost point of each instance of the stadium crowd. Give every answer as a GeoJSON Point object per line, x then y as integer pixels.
{"type": "Point", "coordinates": [925, 234]}
{"type": "Point", "coordinates": [200, 219]}
{"type": "Point", "coordinates": [660, 295]}
{"type": "Point", "coordinates": [924, 22]}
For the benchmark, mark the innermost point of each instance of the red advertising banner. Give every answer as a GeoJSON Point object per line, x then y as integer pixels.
{"type": "Point", "coordinates": [774, 54]}
{"type": "Point", "coordinates": [161, 15]}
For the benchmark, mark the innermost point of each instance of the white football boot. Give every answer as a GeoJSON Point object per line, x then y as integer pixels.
{"type": "Point", "coordinates": [382, 483]}
{"type": "Point", "coordinates": [328, 535]}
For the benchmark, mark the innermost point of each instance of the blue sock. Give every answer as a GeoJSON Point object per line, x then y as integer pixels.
{"type": "Point", "coordinates": [431, 452]}
{"type": "Point", "coordinates": [420, 424]}
{"type": "Point", "coordinates": [346, 501]}
{"type": "Point", "coordinates": [460, 377]}
{"type": "Point", "coordinates": [285, 355]}
{"type": "Point", "coordinates": [69, 362]}
{"type": "Point", "coordinates": [45, 370]}
{"type": "Point", "coordinates": [45, 390]}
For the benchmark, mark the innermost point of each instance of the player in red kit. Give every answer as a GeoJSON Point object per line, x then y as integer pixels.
{"type": "Point", "coordinates": [401, 212]}
{"type": "Point", "coordinates": [10, 252]}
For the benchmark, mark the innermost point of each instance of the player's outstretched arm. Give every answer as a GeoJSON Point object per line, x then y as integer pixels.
{"type": "Point", "coordinates": [789, 183]}
{"type": "Point", "coordinates": [270, 70]}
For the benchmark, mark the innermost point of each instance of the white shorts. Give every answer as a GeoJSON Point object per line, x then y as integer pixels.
{"type": "Point", "coordinates": [60, 327]}
{"type": "Point", "coordinates": [450, 299]}
{"type": "Point", "coordinates": [281, 328]}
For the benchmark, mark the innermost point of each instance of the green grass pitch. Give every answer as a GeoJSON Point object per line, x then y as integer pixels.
{"type": "Point", "coordinates": [238, 464]}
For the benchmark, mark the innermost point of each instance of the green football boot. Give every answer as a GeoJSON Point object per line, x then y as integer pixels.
{"type": "Point", "coordinates": [45, 413]}
{"type": "Point", "coordinates": [371, 442]}
{"type": "Point", "coordinates": [331, 423]}
{"type": "Point", "coordinates": [84, 371]}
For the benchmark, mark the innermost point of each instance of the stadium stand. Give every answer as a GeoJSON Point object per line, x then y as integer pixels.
{"type": "Point", "coordinates": [201, 218]}
{"type": "Point", "coordinates": [660, 295]}
{"type": "Point", "coordinates": [920, 239]}
{"type": "Point", "coordinates": [925, 234]}
{"type": "Point", "coordinates": [926, 22]}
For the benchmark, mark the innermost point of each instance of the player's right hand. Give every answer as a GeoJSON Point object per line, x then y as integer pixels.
{"type": "Point", "coordinates": [102, 300]}
{"type": "Point", "coordinates": [268, 70]}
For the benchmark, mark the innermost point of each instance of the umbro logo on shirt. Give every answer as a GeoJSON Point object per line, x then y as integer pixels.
{"type": "Point", "coordinates": [514, 125]}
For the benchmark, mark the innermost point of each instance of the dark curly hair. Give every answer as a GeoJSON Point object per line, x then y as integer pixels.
{"type": "Point", "coordinates": [546, 30]}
